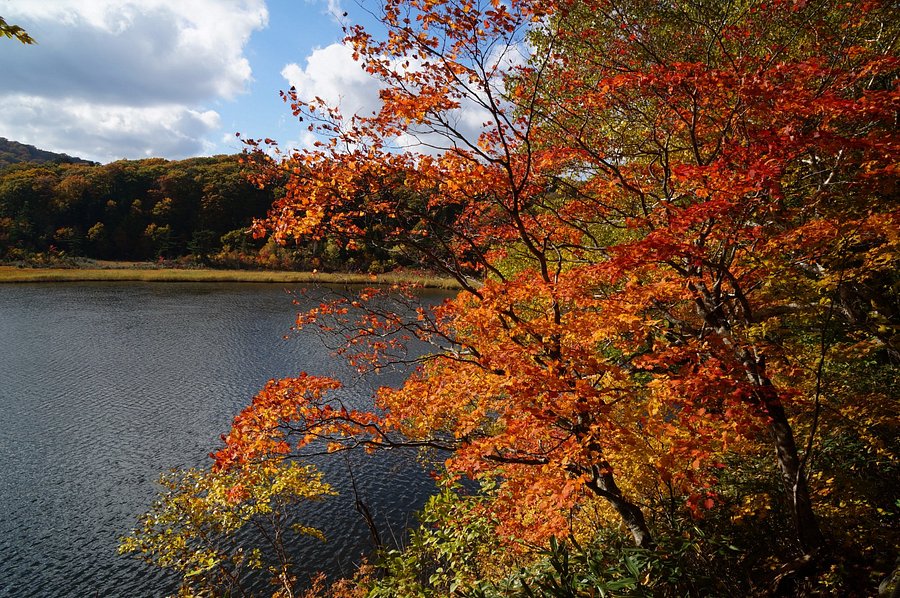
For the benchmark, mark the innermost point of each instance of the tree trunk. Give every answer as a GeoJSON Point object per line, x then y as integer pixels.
{"type": "Point", "coordinates": [604, 484]}
{"type": "Point", "coordinates": [793, 478]}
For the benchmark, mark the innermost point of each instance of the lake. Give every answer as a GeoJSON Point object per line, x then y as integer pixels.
{"type": "Point", "coordinates": [103, 386]}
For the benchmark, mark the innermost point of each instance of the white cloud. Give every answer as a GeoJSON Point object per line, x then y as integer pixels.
{"type": "Point", "coordinates": [335, 8]}
{"type": "Point", "coordinates": [333, 75]}
{"type": "Point", "coordinates": [124, 78]}
{"type": "Point", "coordinates": [107, 133]}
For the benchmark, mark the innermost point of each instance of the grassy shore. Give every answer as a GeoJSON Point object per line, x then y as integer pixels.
{"type": "Point", "coordinates": [13, 274]}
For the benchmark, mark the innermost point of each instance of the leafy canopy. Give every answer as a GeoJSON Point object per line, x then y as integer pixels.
{"type": "Point", "coordinates": [676, 225]}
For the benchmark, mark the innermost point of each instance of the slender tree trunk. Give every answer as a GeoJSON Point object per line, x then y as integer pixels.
{"type": "Point", "coordinates": [709, 306]}
{"type": "Point", "coordinates": [794, 479]}
{"type": "Point", "coordinates": [604, 485]}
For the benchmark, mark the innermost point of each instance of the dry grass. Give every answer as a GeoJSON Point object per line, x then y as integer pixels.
{"type": "Point", "coordinates": [12, 274]}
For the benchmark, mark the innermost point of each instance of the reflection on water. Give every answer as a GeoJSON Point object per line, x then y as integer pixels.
{"type": "Point", "coordinates": [103, 386]}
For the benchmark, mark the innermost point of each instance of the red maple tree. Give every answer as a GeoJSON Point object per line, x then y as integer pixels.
{"type": "Point", "coordinates": [673, 214]}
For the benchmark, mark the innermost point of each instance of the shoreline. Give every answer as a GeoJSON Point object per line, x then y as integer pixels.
{"type": "Point", "coordinates": [133, 273]}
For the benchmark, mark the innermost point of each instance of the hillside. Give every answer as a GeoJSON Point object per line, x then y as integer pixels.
{"type": "Point", "coordinates": [200, 209]}
{"type": "Point", "coordinates": [13, 152]}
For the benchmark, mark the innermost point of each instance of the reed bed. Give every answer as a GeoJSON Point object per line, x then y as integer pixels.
{"type": "Point", "coordinates": [13, 274]}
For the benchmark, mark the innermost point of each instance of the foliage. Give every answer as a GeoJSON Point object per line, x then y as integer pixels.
{"type": "Point", "coordinates": [192, 528]}
{"type": "Point", "coordinates": [455, 552]}
{"type": "Point", "coordinates": [453, 548]}
{"type": "Point", "coordinates": [676, 235]}
{"type": "Point", "coordinates": [610, 569]}
{"type": "Point", "coordinates": [131, 210]}
{"type": "Point", "coordinates": [15, 32]}
{"type": "Point", "coordinates": [149, 209]}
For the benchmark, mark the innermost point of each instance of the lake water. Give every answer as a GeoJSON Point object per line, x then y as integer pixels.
{"type": "Point", "coordinates": [105, 386]}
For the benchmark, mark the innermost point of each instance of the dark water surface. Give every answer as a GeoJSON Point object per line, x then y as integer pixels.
{"type": "Point", "coordinates": [104, 386]}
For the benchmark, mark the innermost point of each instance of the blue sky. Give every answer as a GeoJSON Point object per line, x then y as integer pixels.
{"type": "Point", "coordinates": [114, 79]}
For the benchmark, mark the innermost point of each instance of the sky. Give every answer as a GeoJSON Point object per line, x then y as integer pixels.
{"type": "Point", "coordinates": [113, 79]}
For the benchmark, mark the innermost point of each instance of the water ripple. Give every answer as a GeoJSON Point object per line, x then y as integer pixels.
{"type": "Point", "coordinates": [104, 386]}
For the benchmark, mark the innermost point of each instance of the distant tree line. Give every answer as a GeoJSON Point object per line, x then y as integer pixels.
{"type": "Point", "coordinates": [13, 152]}
{"type": "Point", "coordinates": [197, 210]}
{"type": "Point", "coordinates": [127, 210]}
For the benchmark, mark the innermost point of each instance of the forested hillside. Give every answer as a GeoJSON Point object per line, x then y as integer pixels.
{"type": "Point", "coordinates": [13, 152]}
{"type": "Point", "coordinates": [130, 210]}
{"type": "Point", "coordinates": [197, 210]}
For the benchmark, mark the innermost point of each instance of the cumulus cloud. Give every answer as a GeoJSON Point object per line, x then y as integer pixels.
{"type": "Point", "coordinates": [121, 78]}
{"type": "Point", "coordinates": [134, 132]}
{"type": "Point", "coordinates": [332, 74]}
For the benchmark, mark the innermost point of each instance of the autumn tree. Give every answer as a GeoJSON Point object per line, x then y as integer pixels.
{"type": "Point", "coordinates": [677, 221]}
{"type": "Point", "coordinates": [191, 529]}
